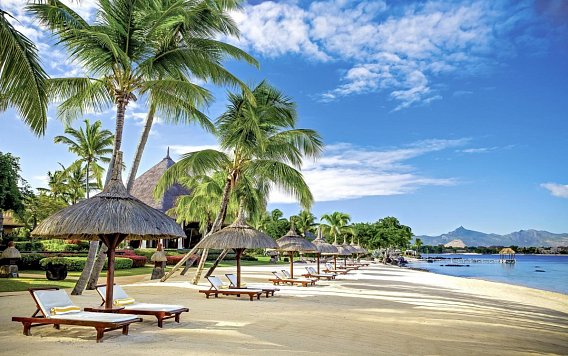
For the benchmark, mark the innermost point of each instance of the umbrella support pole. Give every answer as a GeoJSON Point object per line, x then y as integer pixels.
{"type": "Point", "coordinates": [111, 243]}
{"type": "Point", "coordinates": [291, 264]}
{"type": "Point", "coordinates": [318, 262]}
{"type": "Point", "coordinates": [335, 262]}
{"type": "Point", "coordinates": [238, 253]}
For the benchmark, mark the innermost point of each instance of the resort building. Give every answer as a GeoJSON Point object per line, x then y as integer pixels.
{"type": "Point", "coordinates": [143, 189]}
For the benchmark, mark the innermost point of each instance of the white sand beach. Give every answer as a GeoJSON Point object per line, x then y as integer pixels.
{"type": "Point", "coordinates": [374, 311]}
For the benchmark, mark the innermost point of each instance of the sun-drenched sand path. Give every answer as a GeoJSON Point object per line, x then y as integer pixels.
{"type": "Point", "coordinates": [379, 310]}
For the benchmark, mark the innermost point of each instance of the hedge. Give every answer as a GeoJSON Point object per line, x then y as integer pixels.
{"type": "Point", "coordinates": [30, 261]}
{"type": "Point", "coordinates": [137, 261]}
{"type": "Point", "coordinates": [148, 252]}
{"type": "Point", "coordinates": [28, 245]}
{"type": "Point", "coordinates": [50, 245]}
{"type": "Point", "coordinates": [78, 263]}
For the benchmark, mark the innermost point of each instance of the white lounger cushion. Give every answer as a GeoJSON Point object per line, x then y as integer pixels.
{"type": "Point", "coordinates": [89, 316]}
{"type": "Point", "coordinates": [119, 293]}
{"type": "Point", "coordinates": [233, 280]}
{"type": "Point", "coordinates": [153, 307]}
{"type": "Point", "coordinates": [218, 285]}
{"type": "Point", "coordinates": [48, 299]}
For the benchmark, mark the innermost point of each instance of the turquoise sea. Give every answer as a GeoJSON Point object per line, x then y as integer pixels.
{"type": "Point", "coordinates": [547, 272]}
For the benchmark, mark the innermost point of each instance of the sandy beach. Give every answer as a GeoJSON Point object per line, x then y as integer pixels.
{"type": "Point", "coordinates": [377, 310]}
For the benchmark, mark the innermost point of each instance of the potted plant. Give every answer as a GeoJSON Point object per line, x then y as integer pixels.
{"type": "Point", "coordinates": [55, 268]}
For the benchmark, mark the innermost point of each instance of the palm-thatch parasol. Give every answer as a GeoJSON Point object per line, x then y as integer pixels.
{"type": "Point", "coordinates": [110, 216]}
{"type": "Point", "coordinates": [342, 250]}
{"type": "Point", "coordinates": [323, 248]}
{"type": "Point", "coordinates": [239, 236]}
{"type": "Point", "coordinates": [292, 242]}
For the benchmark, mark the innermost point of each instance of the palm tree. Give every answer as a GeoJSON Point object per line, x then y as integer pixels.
{"type": "Point", "coordinates": [22, 79]}
{"type": "Point", "coordinates": [304, 222]}
{"type": "Point", "coordinates": [336, 223]}
{"type": "Point", "coordinates": [264, 145]}
{"type": "Point", "coordinates": [91, 144]}
{"type": "Point", "coordinates": [136, 48]}
{"type": "Point", "coordinates": [260, 142]}
{"type": "Point", "coordinates": [202, 204]}
{"type": "Point", "coordinates": [207, 22]}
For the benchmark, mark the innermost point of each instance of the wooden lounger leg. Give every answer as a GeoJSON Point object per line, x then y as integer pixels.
{"type": "Point", "coordinates": [100, 333]}
{"type": "Point", "coordinates": [27, 327]}
{"type": "Point", "coordinates": [177, 317]}
{"type": "Point", "coordinates": [251, 296]}
{"type": "Point", "coordinates": [258, 296]}
{"type": "Point", "coordinates": [160, 319]}
{"type": "Point", "coordinates": [125, 329]}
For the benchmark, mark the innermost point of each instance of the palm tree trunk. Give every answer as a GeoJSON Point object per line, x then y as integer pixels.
{"type": "Point", "coordinates": [87, 180]}
{"type": "Point", "coordinates": [1, 223]}
{"type": "Point", "coordinates": [86, 273]}
{"type": "Point", "coordinates": [141, 146]}
{"type": "Point", "coordinates": [121, 102]}
{"type": "Point", "coordinates": [97, 268]}
{"type": "Point", "coordinates": [217, 225]}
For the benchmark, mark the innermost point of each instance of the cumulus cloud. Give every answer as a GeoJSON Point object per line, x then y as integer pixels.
{"type": "Point", "coordinates": [557, 190]}
{"type": "Point", "coordinates": [399, 48]}
{"type": "Point", "coordinates": [347, 172]}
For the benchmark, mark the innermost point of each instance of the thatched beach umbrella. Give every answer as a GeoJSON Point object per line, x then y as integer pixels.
{"type": "Point", "coordinates": [323, 248]}
{"type": "Point", "coordinates": [238, 236]}
{"type": "Point", "coordinates": [110, 216]}
{"type": "Point", "coordinates": [342, 250]}
{"type": "Point", "coordinates": [292, 242]}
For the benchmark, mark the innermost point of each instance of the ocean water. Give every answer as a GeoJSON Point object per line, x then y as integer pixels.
{"type": "Point", "coordinates": [547, 272]}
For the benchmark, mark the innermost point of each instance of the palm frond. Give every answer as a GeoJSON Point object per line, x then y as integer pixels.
{"type": "Point", "coordinates": [22, 79]}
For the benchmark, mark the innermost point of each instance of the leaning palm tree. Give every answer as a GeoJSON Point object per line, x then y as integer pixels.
{"type": "Point", "coordinates": [92, 144]}
{"type": "Point", "coordinates": [22, 79]}
{"type": "Point", "coordinates": [258, 141]}
{"type": "Point", "coordinates": [336, 223]}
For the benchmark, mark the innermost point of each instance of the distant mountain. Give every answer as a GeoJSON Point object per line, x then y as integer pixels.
{"type": "Point", "coordinates": [524, 238]}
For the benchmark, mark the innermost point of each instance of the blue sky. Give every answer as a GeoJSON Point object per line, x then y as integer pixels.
{"type": "Point", "coordinates": [439, 113]}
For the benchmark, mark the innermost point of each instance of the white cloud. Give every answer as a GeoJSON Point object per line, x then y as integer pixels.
{"type": "Point", "coordinates": [557, 190]}
{"type": "Point", "coordinates": [347, 172]}
{"type": "Point", "coordinates": [181, 149]}
{"type": "Point", "coordinates": [401, 49]}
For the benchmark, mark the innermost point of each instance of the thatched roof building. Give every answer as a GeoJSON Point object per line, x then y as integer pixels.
{"type": "Point", "coordinates": [144, 185]}
{"type": "Point", "coordinates": [143, 189]}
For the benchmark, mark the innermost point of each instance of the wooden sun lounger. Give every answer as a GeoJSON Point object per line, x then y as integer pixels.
{"type": "Point", "coordinates": [314, 274]}
{"type": "Point", "coordinates": [101, 322]}
{"type": "Point", "coordinates": [292, 281]}
{"type": "Point", "coordinates": [160, 311]}
{"type": "Point", "coordinates": [269, 291]}
{"type": "Point", "coordinates": [327, 269]}
{"type": "Point", "coordinates": [215, 290]}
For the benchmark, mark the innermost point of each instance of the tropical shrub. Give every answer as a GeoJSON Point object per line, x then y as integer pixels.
{"type": "Point", "coordinates": [78, 263]}
{"type": "Point", "coordinates": [28, 245]}
{"type": "Point", "coordinates": [137, 261]}
{"type": "Point", "coordinates": [173, 260]}
{"type": "Point", "coordinates": [30, 261]}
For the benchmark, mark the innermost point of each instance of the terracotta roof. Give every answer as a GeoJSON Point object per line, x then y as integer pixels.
{"type": "Point", "coordinates": [144, 185]}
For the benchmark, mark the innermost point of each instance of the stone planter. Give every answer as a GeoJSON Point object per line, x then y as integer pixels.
{"type": "Point", "coordinates": [56, 272]}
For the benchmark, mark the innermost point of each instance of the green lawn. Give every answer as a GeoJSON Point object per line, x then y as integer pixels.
{"type": "Point", "coordinates": [36, 278]}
